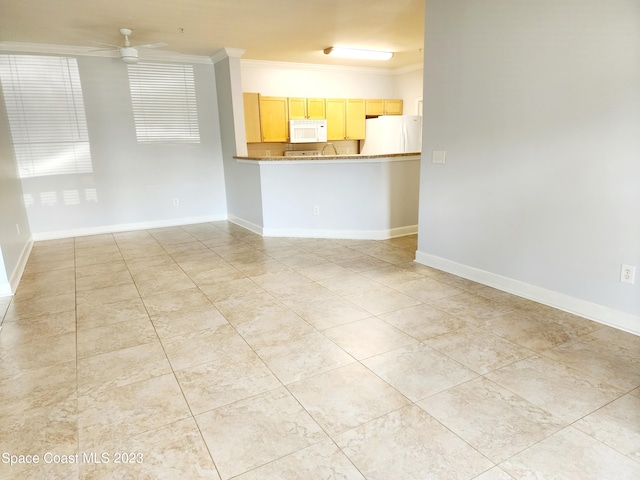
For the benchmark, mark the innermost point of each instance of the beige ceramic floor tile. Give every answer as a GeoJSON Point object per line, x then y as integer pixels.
{"type": "Point", "coordinates": [256, 431]}
{"type": "Point", "coordinates": [616, 365]}
{"type": "Point", "coordinates": [571, 454]}
{"type": "Point", "coordinates": [368, 337]}
{"type": "Point", "coordinates": [251, 307]}
{"type": "Point", "coordinates": [327, 313]}
{"type": "Point", "coordinates": [39, 353]}
{"type": "Point", "coordinates": [96, 341]}
{"type": "Point", "coordinates": [102, 280]}
{"type": "Point", "coordinates": [273, 329]}
{"type": "Point", "coordinates": [171, 452]}
{"type": "Point", "coordinates": [324, 271]}
{"type": "Point", "coordinates": [380, 300]}
{"type": "Point", "coordinates": [409, 443]}
{"type": "Point", "coordinates": [36, 307]}
{"type": "Point", "coordinates": [102, 296]}
{"type": "Point", "coordinates": [40, 387]}
{"type": "Point", "coordinates": [89, 316]}
{"type": "Point", "coordinates": [423, 321]}
{"type": "Point", "coordinates": [175, 301]}
{"type": "Point", "coordinates": [282, 279]}
{"type": "Point", "coordinates": [363, 264]}
{"type": "Point", "coordinates": [214, 344]}
{"type": "Point", "coordinates": [493, 420]}
{"type": "Point", "coordinates": [323, 460]}
{"type": "Point", "coordinates": [391, 275]}
{"type": "Point", "coordinates": [351, 284]}
{"type": "Point", "coordinates": [224, 381]}
{"type": "Point", "coordinates": [496, 473]}
{"type": "Point", "coordinates": [269, 265]}
{"type": "Point", "coordinates": [121, 412]}
{"type": "Point", "coordinates": [303, 357]}
{"type": "Point", "coordinates": [346, 397]}
{"type": "Point", "coordinates": [222, 291]}
{"type": "Point", "coordinates": [418, 371]}
{"type": "Point", "coordinates": [47, 429]}
{"type": "Point", "coordinates": [562, 391]}
{"type": "Point", "coordinates": [427, 289]}
{"type": "Point", "coordinates": [617, 425]}
{"type": "Point", "coordinates": [471, 308]}
{"type": "Point", "coordinates": [223, 273]}
{"type": "Point", "coordinates": [187, 321]}
{"type": "Point", "coordinates": [114, 369]}
{"type": "Point", "coordinates": [30, 329]}
{"type": "Point", "coordinates": [478, 350]}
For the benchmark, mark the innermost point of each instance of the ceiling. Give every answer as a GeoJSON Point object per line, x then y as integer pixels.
{"type": "Point", "coordinates": [271, 30]}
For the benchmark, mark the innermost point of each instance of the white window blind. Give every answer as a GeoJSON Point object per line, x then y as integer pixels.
{"type": "Point", "coordinates": [164, 103]}
{"type": "Point", "coordinates": [46, 114]}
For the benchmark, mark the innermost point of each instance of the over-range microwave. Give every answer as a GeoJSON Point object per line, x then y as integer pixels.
{"type": "Point", "coordinates": [307, 131]}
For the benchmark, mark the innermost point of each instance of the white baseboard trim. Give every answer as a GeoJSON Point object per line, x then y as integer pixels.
{"type": "Point", "coordinates": [126, 227]}
{"type": "Point", "coordinates": [241, 222]}
{"type": "Point", "coordinates": [342, 234]}
{"type": "Point", "coordinates": [593, 311]}
{"type": "Point", "coordinates": [9, 288]}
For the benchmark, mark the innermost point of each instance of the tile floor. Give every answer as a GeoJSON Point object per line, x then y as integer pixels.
{"type": "Point", "coordinates": [207, 351]}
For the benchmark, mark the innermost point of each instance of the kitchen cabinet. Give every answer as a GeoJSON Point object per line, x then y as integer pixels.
{"type": "Point", "coordinates": [355, 119]}
{"type": "Point", "coordinates": [378, 106]}
{"type": "Point", "coordinates": [335, 118]}
{"type": "Point", "coordinates": [345, 119]}
{"type": "Point", "coordinates": [306, 108]}
{"type": "Point", "coordinates": [252, 117]}
{"type": "Point", "coordinates": [274, 119]}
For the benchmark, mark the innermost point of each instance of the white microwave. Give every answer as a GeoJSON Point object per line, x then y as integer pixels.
{"type": "Point", "coordinates": [307, 131]}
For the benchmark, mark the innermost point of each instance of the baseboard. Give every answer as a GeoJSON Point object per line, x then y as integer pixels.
{"type": "Point", "coordinates": [592, 311]}
{"type": "Point", "coordinates": [126, 227]}
{"type": "Point", "coordinates": [9, 288]}
{"type": "Point", "coordinates": [241, 222]}
{"type": "Point", "coordinates": [342, 234]}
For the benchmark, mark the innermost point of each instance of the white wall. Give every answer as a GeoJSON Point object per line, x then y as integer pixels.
{"type": "Point", "coordinates": [135, 184]}
{"type": "Point", "coordinates": [14, 246]}
{"type": "Point", "coordinates": [538, 107]}
{"type": "Point", "coordinates": [302, 80]}
{"type": "Point", "coordinates": [408, 87]}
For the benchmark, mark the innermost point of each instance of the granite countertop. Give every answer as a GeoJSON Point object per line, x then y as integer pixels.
{"type": "Point", "coordinates": [312, 158]}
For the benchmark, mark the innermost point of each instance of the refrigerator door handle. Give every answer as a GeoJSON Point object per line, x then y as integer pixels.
{"type": "Point", "coordinates": [403, 142]}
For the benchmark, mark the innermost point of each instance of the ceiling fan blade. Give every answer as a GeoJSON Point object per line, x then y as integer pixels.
{"type": "Point", "coordinates": [152, 45]}
{"type": "Point", "coordinates": [105, 44]}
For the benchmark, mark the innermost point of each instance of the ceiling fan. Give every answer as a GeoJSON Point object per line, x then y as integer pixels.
{"type": "Point", "coordinates": [128, 52]}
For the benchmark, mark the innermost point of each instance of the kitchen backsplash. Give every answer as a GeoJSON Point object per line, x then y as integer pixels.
{"type": "Point", "coordinates": [343, 147]}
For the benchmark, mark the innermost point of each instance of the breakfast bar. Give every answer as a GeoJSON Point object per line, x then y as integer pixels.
{"type": "Point", "coordinates": [334, 196]}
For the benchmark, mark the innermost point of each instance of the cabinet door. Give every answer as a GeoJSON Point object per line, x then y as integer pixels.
{"type": "Point", "coordinates": [316, 108]}
{"type": "Point", "coordinates": [393, 107]}
{"type": "Point", "coordinates": [355, 119]}
{"type": "Point", "coordinates": [374, 107]}
{"type": "Point", "coordinates": [252, 117]}
{"type": "Point", "coordinates": [335, 118]}
{"type": "Point", "coordinates": [297, 108]}
{"type": "Point", "coordinates": [273, 119]}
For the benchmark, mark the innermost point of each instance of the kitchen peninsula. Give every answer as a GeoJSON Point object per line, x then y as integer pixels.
{"type": "Point", "coordinates": [333, 196]}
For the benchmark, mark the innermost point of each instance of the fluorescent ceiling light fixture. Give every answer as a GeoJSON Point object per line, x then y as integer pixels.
{"type": "Point", "coordinates": [357, 53]}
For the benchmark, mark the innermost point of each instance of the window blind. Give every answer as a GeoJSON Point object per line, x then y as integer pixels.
{"type": "Point", "coordinates": [46, 114]}
{"type": "Point", "coordinates": [164, 103]}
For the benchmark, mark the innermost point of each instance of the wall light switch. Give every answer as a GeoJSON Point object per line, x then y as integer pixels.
{"type": "Point", "coordinates": [438, 156]}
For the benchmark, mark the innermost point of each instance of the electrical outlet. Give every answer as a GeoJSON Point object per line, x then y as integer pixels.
{"type": "Point", "coordinates": [268, 153]}
{"type": "Point", "coordinates": [316, 210]}
{"type": "Point", "coordinates": [438, 156]}
{"type": "Point", "coordinates": [176, 202]}
{"type": "Point", "coordinates": [628, 274]}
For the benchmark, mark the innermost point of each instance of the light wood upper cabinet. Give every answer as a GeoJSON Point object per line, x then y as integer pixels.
{"type": "Point", "coordinates": [374, 107]}
{"type": "Point", "coordinates": [316, 109]}
{"type": "Point", "coordinates": [377, 106]}
{"type": "Point", "coordinates": [393, 107]}
{"type": "Point", "coordinates": [355, 119]}
{"type": "Point", "coordinates": [274, 119]}
{"type": "Point", "coordinates": [306, 108]}
{"type": "Point", "coordinates": [252, 117]}
{"type": "Point", "coordinates": [336, 121]}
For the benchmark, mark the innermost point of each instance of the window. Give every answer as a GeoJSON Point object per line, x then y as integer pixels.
{"type": "Point", "coordinates": [164, 103]}
{"type": "Point", "coordinates": [46, 114]}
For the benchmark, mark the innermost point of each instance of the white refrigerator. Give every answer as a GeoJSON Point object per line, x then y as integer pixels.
{"type": "Point", "coordinates": [392, 134]}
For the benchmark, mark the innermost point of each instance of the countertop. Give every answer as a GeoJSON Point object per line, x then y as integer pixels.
{"type": "Point", "coordinates": [317, 158]}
